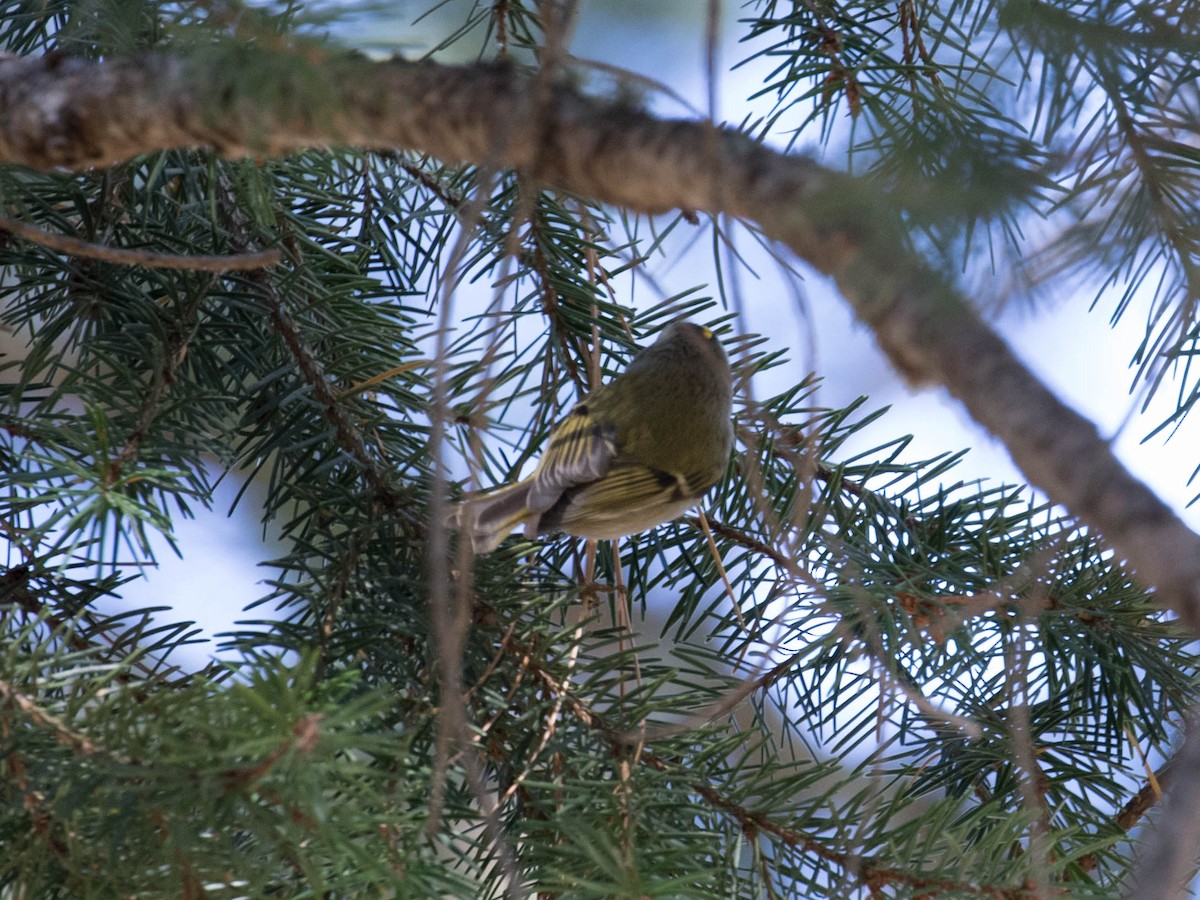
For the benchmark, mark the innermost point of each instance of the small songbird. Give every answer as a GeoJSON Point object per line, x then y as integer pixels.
{"type": "Point", "coordinates": [634, 453]}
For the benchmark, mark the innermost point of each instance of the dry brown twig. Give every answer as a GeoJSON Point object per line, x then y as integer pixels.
{"type": "Point", "coordinates": [146, 259]}
{"type": "Point", "coordinates": [62, 732]}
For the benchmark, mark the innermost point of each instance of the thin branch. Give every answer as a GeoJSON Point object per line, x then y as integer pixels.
{"type": "Point", "coordinates": [874, 874]}
{"type": "Point", "coordinates": [62, 732]}
{"type": "Point", "coordinates": [450, 593]}
{"type": "Point", "coordinates": [14, 584]}
{"type": "Point", "coordinates": [302, 741]}
{"type": "Point", "coordinates": [1173, 227]}
{"type": "Point", "coordinates": [1148, 796]}
{"type": "Point", "coordinates": [175, 352]}
{"type": "Point", "coordinates": [147, 259]}
{"type": "Point", "coordinates": [435, 187]}
{"type": "Point", "coordinates": [891, 679]}
{"type": "Point", "coordinates": [384, 487]}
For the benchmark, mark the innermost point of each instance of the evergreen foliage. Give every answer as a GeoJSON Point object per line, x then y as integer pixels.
{"type": "Point", "coordinates": [872, 680]}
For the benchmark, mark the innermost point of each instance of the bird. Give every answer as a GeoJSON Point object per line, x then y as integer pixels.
{"type": "Point", "coordinates": [634, 453]}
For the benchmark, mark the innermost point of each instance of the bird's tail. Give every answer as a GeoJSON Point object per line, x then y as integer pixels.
{"type": "Point", "coordinates": [488, 518]}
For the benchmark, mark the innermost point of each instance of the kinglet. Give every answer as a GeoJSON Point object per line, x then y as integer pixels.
{"type": "Point", "coordinates": [633, 454]}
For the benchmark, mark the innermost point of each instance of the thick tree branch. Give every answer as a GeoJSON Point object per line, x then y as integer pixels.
{"type": "Point", "coordinates": [58, 112]}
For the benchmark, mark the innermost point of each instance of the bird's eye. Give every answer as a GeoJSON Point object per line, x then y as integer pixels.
{"type": "Point", "coordinates": [708, 335]}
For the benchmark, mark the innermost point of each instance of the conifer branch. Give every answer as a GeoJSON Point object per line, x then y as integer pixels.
{"type": "Point", "coordinates": [60, 730]}
{"type": "Point", "coordinates": [63, 112]}
{"type": "Point", "coordinates": [871, 872]}
{"type": "Point", "coordinates": [384, 489]}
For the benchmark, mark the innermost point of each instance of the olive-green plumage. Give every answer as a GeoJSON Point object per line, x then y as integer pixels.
{"type": "Point", "coordinates": [634, 453]}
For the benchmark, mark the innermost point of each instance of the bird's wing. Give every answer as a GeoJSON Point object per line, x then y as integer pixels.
{"type": "Point", "coordinates": [581, 450]}
{"type": "Point", "coordinates": [630, 491]}
{"type": "Point", "coordinates": [631, 497]}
